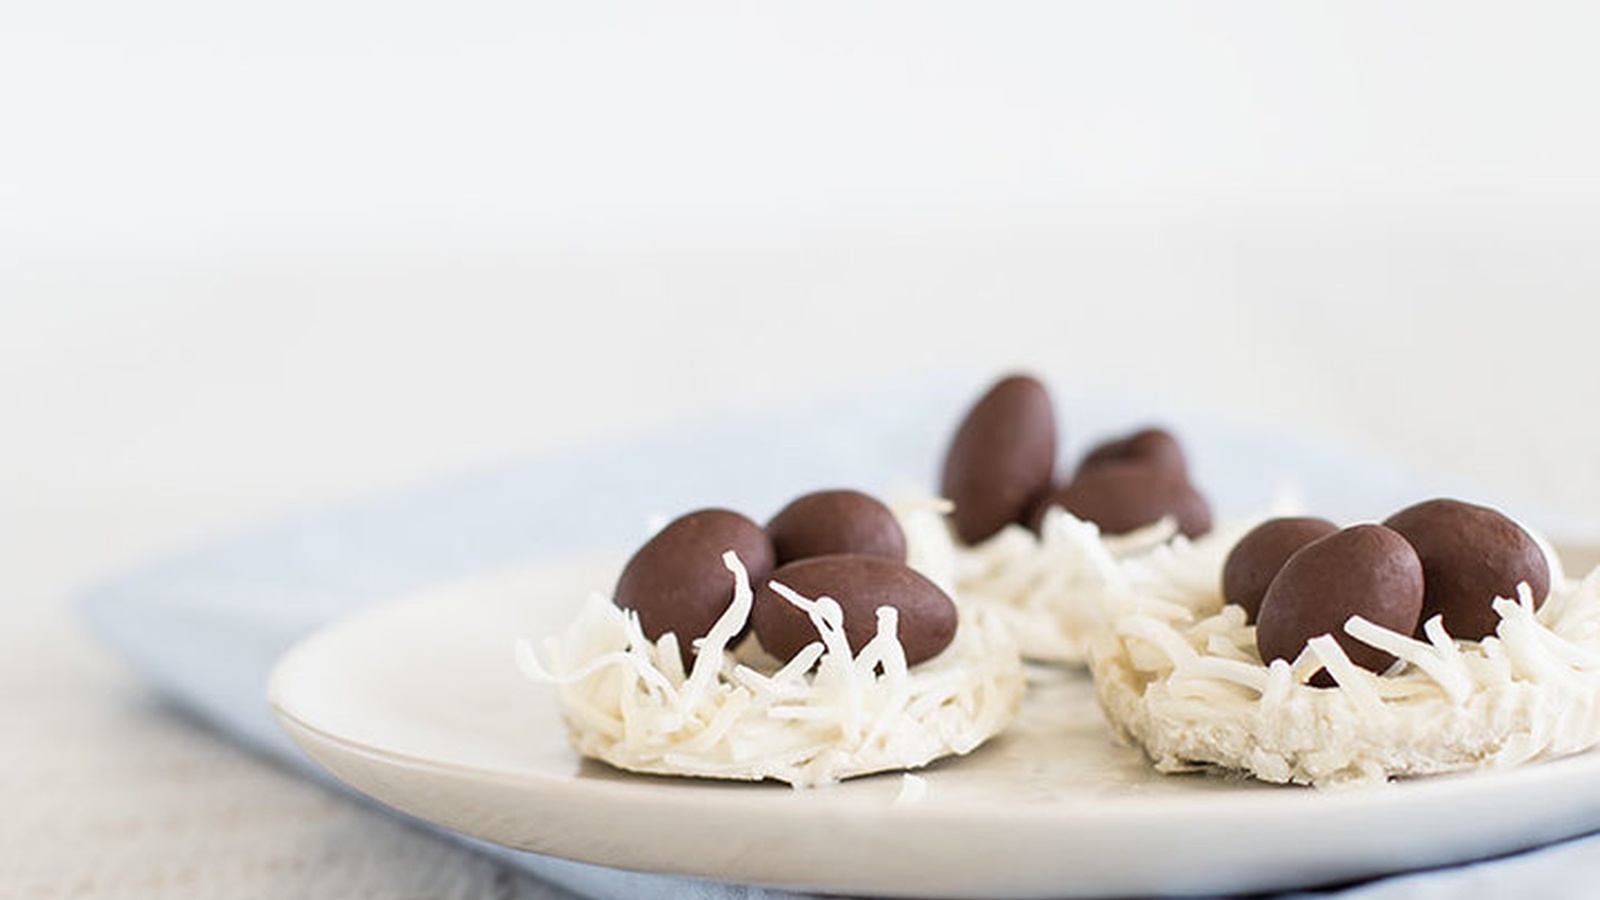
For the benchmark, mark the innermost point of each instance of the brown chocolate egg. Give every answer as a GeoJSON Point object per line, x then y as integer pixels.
{"type": "Point", "coordinates": [860, 584]}
{"type": "Point", "coordinates": [1123, 496]}
{"type": "Point", "coordinates": [842, 521]}
{"type": "Point", "coordinates": [1155, 446]}
{"type": "Point", "coordinates": [1001, 459]}
{"type": "Point", "coordinates": [676, 582]}
{"type": "Point", "coordinates": [1470, 555]}
{"type": "Point", "coordinates": [1256, 559]}
{"type": "Point", "coordinates": [1365, 570]}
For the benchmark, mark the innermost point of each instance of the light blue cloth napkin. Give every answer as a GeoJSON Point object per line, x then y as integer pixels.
{"type": "Point", "coordinates": [207, 626]}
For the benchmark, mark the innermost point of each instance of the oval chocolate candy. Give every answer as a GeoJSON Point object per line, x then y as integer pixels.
{"type": "Point", "coordinates": [1256, 559]}
{"type": "Point", "coordinates": [1365, 570]}
{"type": "Point", "coordinates": [1470, 555]}
{"type": "Point", "coordinates": [839, 521]}
{"type": "Point", "coordinates": [1001, 459]}
{"type": "Point", "coordinates": [860, 584]}
{"type": "Point", "coordinates": [1120, 497]}
{"type": "Point", "coordinates": [677, 582]}
{"type": "Point", "coordinates": [1155, 446]}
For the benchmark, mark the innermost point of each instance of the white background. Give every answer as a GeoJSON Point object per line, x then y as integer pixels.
{"type": "Point", "coordinates": [257, 258]}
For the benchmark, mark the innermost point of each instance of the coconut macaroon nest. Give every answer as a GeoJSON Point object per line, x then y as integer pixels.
{"type": "Point", "coordinates": [1181, 671]}
{"type": "Point", "coordinates": [879, 671]}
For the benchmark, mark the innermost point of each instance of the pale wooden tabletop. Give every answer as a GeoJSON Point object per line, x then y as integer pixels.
{"type": "Point", "coordinates": [113, 793]}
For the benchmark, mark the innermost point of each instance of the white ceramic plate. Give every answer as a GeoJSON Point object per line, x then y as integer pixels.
{"type": "Point", "coordinates": [419, 705]}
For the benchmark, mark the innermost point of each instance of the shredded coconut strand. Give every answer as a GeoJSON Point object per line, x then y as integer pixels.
{"type": "Point", "coordinates": [1177, 672]}
{"type": "Point", "coordinates": [739, 715]}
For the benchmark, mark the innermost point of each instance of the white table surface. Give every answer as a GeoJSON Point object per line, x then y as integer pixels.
{"type": "Point", "coordinates": [222, 299]}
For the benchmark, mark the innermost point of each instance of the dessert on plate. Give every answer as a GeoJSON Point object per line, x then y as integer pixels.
{"type": "Point", "coordinates": [844, 638]}
{"type": "Point", "coordinates": [1446, 638]}
{"type": "Point", "coordinates": [822, 646]}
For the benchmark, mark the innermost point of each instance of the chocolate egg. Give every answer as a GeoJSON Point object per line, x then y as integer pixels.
{"type": "Point", "coordinates": [841, 521]}
{"type": "Point", "coordinates": [1001, 459]}
{"type": "Point", "coordinates": [1155, 446]}
{"type": "Point", "coordinates": [676, 582]}
{"type": "Point", "coordinates": [1470, 555]}
{"type": "Point", "coordinates": [1365, 570]}
{"type": "Point", "coordinates": [1256, 559]}
{"type": "Point", "coordinates": [860, 584]}
{"type": "Point", "coordinates": [1123, 496]}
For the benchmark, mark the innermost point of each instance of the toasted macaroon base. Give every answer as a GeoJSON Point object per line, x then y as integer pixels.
{"type": "Point", "coordinates": [1178, 674]}
{"type": "Point", "coordinates": [824, 716]}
